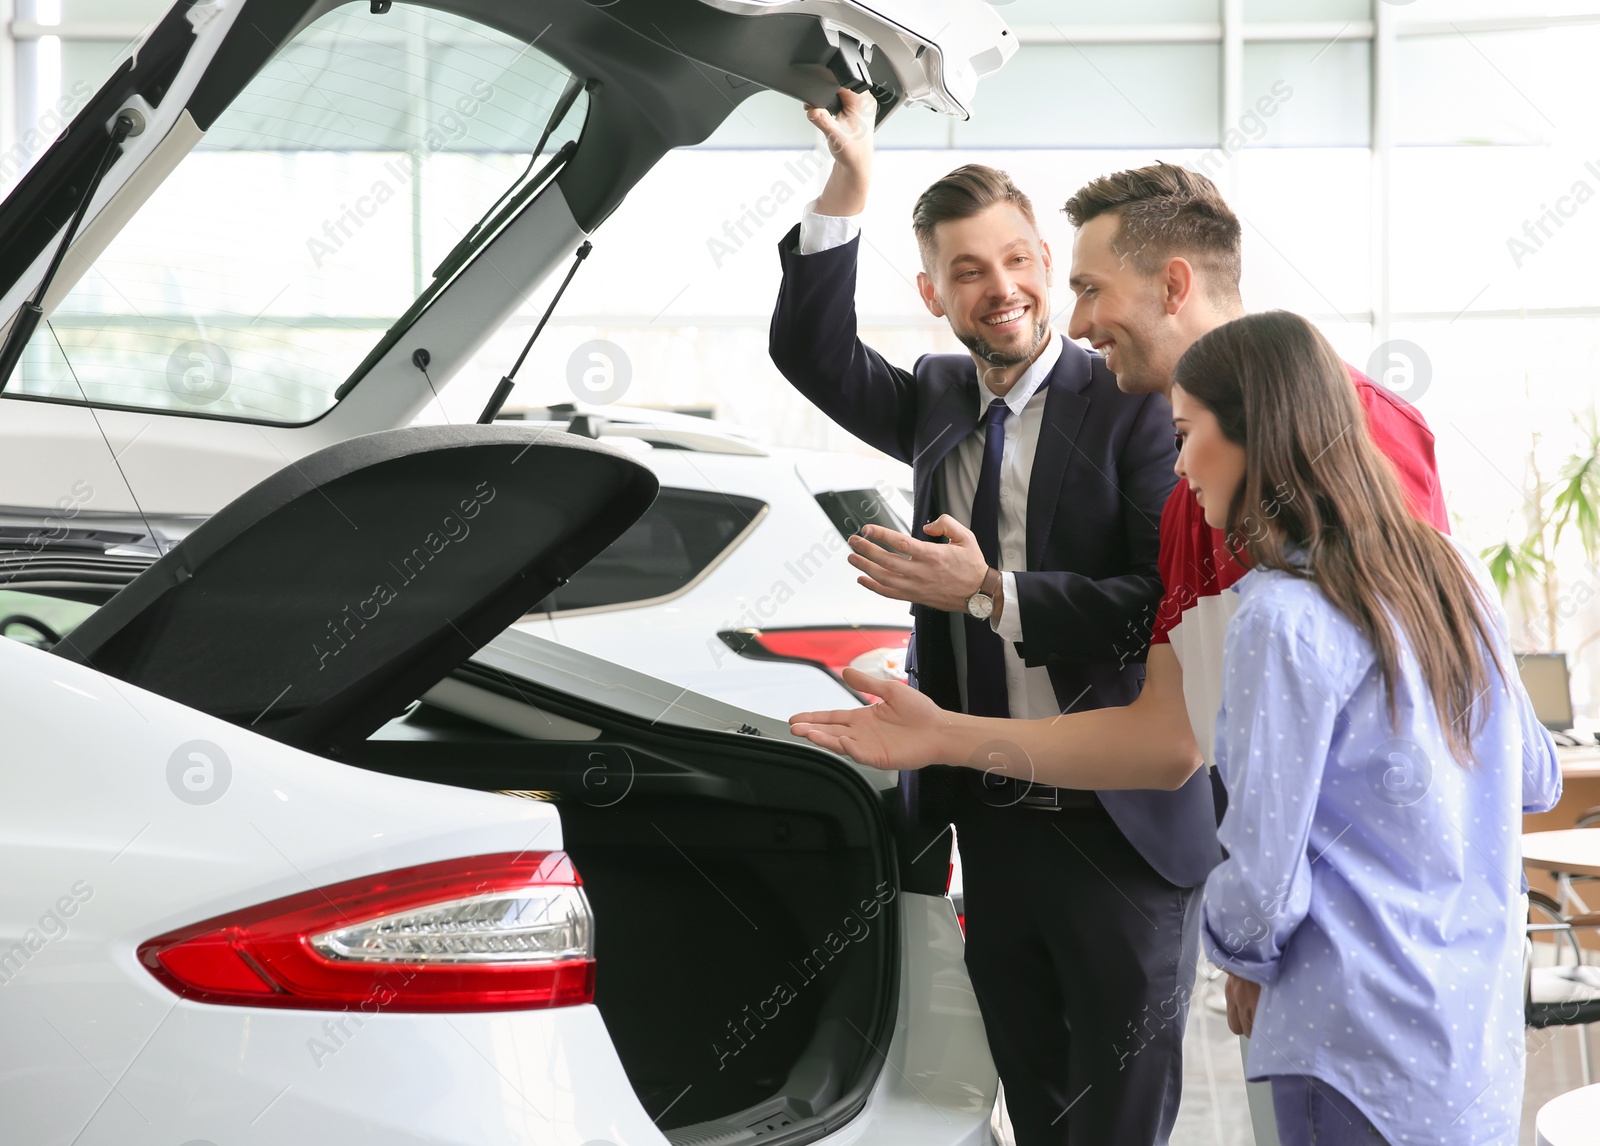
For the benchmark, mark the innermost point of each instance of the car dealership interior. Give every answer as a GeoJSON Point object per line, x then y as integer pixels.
{"type": "Point", "coordinates": [1418, 178]}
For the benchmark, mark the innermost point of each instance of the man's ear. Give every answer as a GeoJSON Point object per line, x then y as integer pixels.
{"type": "Point", "coordinates": [930, 297]}
{"type": "Point", "coordinates": [1049, 263]}
{"type": "Point", "coordinates": [1179, 284]}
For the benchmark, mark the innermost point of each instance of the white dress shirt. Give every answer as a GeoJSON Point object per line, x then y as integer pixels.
{"type": "Point", "coordinates": [1029, 690]}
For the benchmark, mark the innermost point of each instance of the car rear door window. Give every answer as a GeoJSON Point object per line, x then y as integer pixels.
{"type": "Point", "coordinates": [682, 537]}
{"type": "Point", "coordinates": [39, 619]}
{"type": "Point", "coordinates": [850, 509]}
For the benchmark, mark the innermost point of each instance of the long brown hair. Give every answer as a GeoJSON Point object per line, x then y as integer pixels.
{"type": "Point", "coordinates": [1315, 480]}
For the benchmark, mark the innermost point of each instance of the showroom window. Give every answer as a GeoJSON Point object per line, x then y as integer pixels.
{"type": "Point", "coordinates": [346, 170]}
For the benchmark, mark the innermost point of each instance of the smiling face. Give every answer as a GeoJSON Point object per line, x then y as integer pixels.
{"type": "Point", "coordinates": [989, 276]}
{"type": "Point", "coordinates": [1211, 464]}
{"type": "Point", "coordinates": [1135, 319]}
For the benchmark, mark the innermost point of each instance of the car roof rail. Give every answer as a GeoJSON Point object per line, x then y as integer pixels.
{"type": "Point", "coordinates": [663, 429]}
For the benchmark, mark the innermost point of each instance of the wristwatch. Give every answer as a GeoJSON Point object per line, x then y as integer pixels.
{"type": "Point", "coordinates": [981, 603]}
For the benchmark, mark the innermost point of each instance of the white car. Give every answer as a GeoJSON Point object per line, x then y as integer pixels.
{"type": "Point", "coordinates": [734, 584]}
{"type": "Point", "coordinates": [301, 844]}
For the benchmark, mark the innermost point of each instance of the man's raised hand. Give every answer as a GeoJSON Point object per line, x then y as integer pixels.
{"type": "Point", "coordinates": [849, 136]}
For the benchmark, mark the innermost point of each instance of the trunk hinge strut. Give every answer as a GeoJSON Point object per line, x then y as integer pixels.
{"type": "Point", "coordinates": [503, 390]}
{"type": "Point", "coordinates": [28, 318]}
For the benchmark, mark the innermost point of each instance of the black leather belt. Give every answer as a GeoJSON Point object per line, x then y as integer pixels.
{"type": "Point", "coordinates": [998, 791]}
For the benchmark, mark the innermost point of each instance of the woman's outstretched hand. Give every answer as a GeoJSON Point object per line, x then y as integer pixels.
{"type": "Point", "coordinates": [904, 730]}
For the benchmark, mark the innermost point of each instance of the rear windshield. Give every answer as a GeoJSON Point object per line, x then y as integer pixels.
{"type": "Point", "coordinates": [684, 534]}
{"type": "Point", "coordinates": [261, 272]}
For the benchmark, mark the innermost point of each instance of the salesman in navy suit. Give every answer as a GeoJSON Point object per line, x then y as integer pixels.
{"type": "Point", "coordinates": [1032, 580]}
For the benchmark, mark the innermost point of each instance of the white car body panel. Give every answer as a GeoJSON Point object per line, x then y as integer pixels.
{"type": "Point", "coordinates": [789, 571]}
{"type": "Point", "coordinates": [509, 1079]}
{"type": "Point", "coordinates": [921, 1095]}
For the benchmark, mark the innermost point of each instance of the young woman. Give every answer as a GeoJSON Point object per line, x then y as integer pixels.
{"type": "Point", "coordinates": [1378, 752]}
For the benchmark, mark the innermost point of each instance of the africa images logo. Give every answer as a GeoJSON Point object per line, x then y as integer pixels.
{"type": "Point", "coordinates": [345, 628]}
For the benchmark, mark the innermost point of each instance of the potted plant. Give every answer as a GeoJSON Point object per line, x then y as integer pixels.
{"type": "Point", "coordinates": [1527, 569]}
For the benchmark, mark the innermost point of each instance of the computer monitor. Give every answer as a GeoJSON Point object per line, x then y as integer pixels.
{"type": "Point", "coordinates": [1544, 675]}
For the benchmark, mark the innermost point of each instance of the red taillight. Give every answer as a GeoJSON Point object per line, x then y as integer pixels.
{"type": "Point", "coordinates": [486, 933]}
{"type": "Point", "coordinates": [874, 649]}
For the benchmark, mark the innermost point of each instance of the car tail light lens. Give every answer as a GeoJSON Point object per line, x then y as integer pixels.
{"type": "Point", "coordinates": [497, 932]}
{"type": "Point", "coordinates": [878, 650]}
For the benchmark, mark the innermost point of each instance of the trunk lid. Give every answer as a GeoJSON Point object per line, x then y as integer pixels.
{"type": "Point", "coordinates": [248, 285]}
{"type": "Point", "coordinates": [326, 599]}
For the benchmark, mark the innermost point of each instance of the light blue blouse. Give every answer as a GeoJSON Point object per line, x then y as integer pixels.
{"type": "Point", "coordinates": [1373, 885]}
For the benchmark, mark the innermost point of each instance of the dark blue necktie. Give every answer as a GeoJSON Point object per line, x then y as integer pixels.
{"type": "Point", "coordinates": [986, 660]}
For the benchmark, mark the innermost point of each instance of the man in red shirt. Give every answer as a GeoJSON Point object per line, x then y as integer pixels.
{"type": "Point", "coordinates": [1155, 265]}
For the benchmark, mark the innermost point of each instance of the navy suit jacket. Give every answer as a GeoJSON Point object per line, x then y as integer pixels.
{"type": "Point", "coordinates": [1101, 474]}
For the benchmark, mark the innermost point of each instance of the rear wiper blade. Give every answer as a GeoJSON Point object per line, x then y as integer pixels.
{"type": "Point", "coordinates": [32, 311]}
{"type": "Point", "coordinates": [441, 277]}
{"type": "Point", "coordinates": [568, 97]}
{"type": "Point", "coordinates": [462, 251]}
{"type": "Point", "coordinates": [489, 221]}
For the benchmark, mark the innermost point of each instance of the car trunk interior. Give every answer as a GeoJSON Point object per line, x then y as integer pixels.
{"type": "Point", "coordinates": [742, 890]}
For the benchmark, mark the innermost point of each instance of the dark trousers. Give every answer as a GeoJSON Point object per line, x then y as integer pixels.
{"type": "Point", "coordinates": [1083, 962]}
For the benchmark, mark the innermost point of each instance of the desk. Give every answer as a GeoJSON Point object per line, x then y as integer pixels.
{"type": "Point", "coordinates": [1579, 763]}
{"type": "Point", "coordinates": [1580, 774]}
{"type": "Point", "coordinates": [1569, 1119]}
{"type": "Point", "coordinates": [1575, 851]}
{"type": "Point", "coordinates": [1580, 778]}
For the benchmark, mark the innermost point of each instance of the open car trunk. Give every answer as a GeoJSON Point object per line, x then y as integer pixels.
{"type": "Point", "coordinates": [742, 886]}
{"type": "Point", "coordinates": [746, 930]}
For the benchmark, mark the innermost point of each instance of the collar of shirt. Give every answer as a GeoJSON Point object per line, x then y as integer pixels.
{"type": "Point", "coordinates": [1028, 385]}
{"type": "Point", "coordinates": [1298, 559]}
